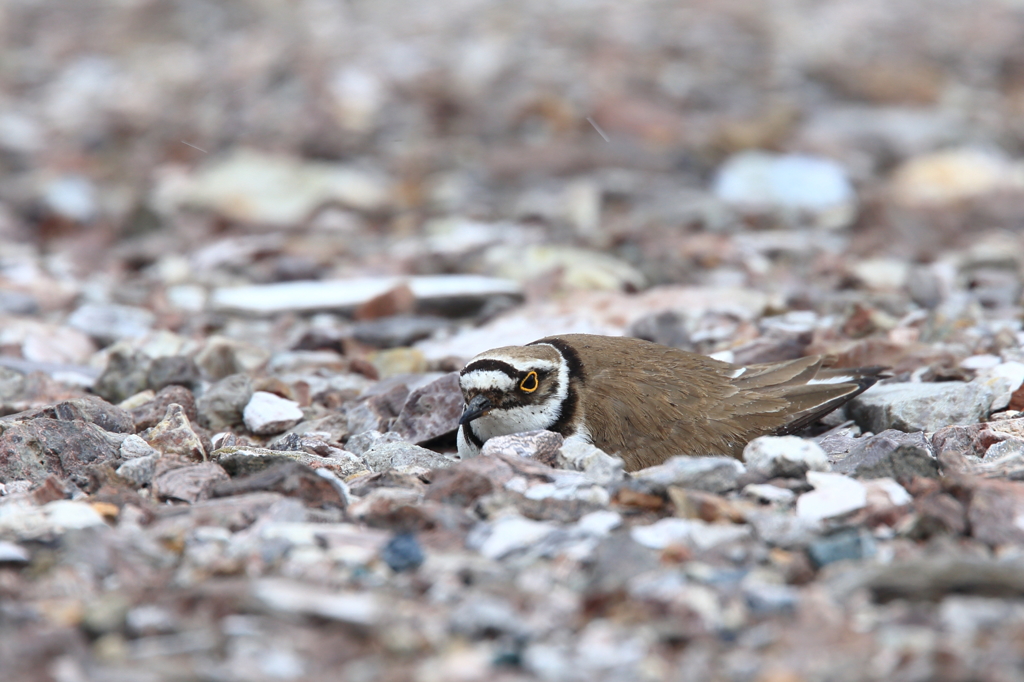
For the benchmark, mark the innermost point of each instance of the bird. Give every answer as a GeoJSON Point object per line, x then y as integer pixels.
{"type": "Point", "coordinates": [645, 402]}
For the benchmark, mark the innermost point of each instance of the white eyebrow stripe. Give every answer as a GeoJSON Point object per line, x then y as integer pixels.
{"type": "Point", "coordinates": [487, 380]}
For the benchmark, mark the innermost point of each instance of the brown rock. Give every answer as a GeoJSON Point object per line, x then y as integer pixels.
{"type": "Point", "coordinates": [189, 483]}
{"type": "Point", "coordinates": [431, 411]}
{"type": "Point", "coordinates": [976, 439]}
{"type": "Point", "coordinates": [937, 513]}
{"type": "Point", "coordinates": [696, 504]}
{"type": "Point", "coordinates": [994, 510]}
{"type": "Point", "coordinates": [234, 513]}
{"type": "Point", "coordinates": [91, 409]}
{"type": "Point", "coordinates": [956, 438]}
{"type": "Point", "coordinates": [174, 435]}
{"type": "Point", "coordinates": [36, 449]}
{"type": "Point", "coordinates": [403, 510]}
{"type": "Point", "coordinates": [378, 411]}
{"type": "Point", "coordinates": [49, 490]}
{"type": "Point", "coordinates": [627, 497]}
{"type": "Point", "coordinates": [458, 485]}
{"type": "Point", "coordinates": [291, 479]}
{"type": "Point", "coordinates": [1017, 399]}
{"type": "Point", "coordinates": [362, 484]}
{"type": "Point", "coordinates": [397, 301]}
{"type": "Point", "coordinates": [148, 414]}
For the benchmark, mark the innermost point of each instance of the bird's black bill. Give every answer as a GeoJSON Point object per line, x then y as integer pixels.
{"type": "Point", "coordinates": [478, 407]}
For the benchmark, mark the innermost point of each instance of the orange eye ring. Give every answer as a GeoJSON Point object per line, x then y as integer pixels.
{"type": "Point", "coordinates": [530, 383]}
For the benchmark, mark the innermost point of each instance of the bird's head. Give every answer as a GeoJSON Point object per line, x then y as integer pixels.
{"type": "Point", "coordinates": [513, 389]}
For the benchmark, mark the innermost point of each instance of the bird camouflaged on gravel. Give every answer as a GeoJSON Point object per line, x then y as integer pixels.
{"type": "Point", "coordinates": [645, 402]}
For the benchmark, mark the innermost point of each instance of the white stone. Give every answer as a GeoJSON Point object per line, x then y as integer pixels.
{"type": "Point", "coordinates": [287, 596]}
{"type": "Point", "coordinates": [139, 470]}
{"type": "Point", "coordinates": [73, 197]}
{"type": "Point", "coordinates": [12, 553]}
{"type": "Point", "coordinates": [514, 533]}
{"type": "Point", "coordinates": [592, 494]}
{"type": "Point", "coordinates": [579, 268]}
{"type": "Point", "coordinates": [308, 296]}
{"type": "Point", "coordinates": [28, 521]}
{"type": "Point", "coordinates": [268, 414]}
{"type": "Point", "coordinates": [254, 187]}
{"type": "Point", "coordinates": [897, 494]}
{"type": "Point", "coordinates": [599, 523]}
{"type": "Point", "coordinates": [882, 274]}
{"type": "Point", "coordinates": [784, 181]}
{"type": "Point", "coordinates": [834, 495]}
{"type": "Point", "coordinates": [769, 493]}
{"type": "Point", "coordinates": [694, 532]}
{"type": "Point", "coordinates": [109, 323]}
{"type": "Point", "coordinates": [986, 361]}
{"type": "Point", "coordinates": [1005, 378]}
{"type": "Point", "coordinates": [133, 446]}
{"type": "Point", "coordinates": [600, 467]}
{"type": "Point", "coordinates": [787, 456]}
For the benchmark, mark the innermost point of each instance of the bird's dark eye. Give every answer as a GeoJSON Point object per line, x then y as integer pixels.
{"type": "Point", "coordinates": [529, 383]}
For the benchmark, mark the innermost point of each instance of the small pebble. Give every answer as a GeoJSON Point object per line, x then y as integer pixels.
{"type": "Point", "coordinates": [403, 553]}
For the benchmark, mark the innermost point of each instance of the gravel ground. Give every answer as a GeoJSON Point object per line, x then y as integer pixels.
{"type": "Point", "coordinates": [246, 246]}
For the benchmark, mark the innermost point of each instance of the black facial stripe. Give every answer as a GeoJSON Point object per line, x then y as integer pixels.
{"type": "Point", "coordinates": [470, 435]}
{"type": "Point", "coordinates": [564, 423]}
{"type": "Point", "coordinates": [488, 365]}
{"type": "Point", "coordinates": [569, 354]}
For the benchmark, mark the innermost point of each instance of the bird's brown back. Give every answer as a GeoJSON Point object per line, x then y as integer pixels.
{"type": "Point", "coordinates": [646, 402]}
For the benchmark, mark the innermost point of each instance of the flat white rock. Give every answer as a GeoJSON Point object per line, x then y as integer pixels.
{"type": "Point", "coordinates": [833, 495]}
{"type": "Point", "coordinates": [514, 533]}
{"type": "Point", "coordinates": [344, 294]}
{"type": "Point", "coordinates": [134, 446]}
{"type": "Point", "coordinates": [787, 456]}
{"type": "Point", "coordinates": [769, 493]}
{"type": "Point", "coordinates": [693, 532]}
{"type": "Point", "coordinates": [785, 181]}
{"type": "Point", "coordinates": [28, 521]}
{"type": "Point", "coordinates": [267, 413]}
{"type": "Point", "coordinates": [600, 522]}
{"type": "Point", "coordinates": [288, 596]}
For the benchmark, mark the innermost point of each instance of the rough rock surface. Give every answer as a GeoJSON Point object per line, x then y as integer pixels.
{"type": "Point", "coordinates": [90, 409]}
{"type": "Point", "coordinates": [543, 446]}
{"type": "Point", "coordinates": [431, 411]}
{"type": "Point", "coordinates": [189, 483]}
{"type": "Point", "coordinates": [243, 460]}
{"type": "Point", "coordinates": [268, 414]}
{"type": "Point", "coordinates": [784, 456]}
{"type": "Point", "coordinates": [392, 455]}
{"type": "Point", "coordinates": [713, 474]}
{"type": "Point", "coordinates": [152, 411]}
{"type": "Point", "coordinates": [35, 449]}
{"type": "Point", "coordinates": [891, 454]}
{"type": "Point", "coordinates": [921, 407]}
{"type": "Point", "coordinates": [173, 435]}
{"type": "Point", "coordinates": [222, 403]}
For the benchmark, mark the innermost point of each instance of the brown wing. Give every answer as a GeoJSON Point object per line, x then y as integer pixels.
{"type": "Point", "coordinates": [648, 402]}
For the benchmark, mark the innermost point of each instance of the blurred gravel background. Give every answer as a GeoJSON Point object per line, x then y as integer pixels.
{"type": "Point", "coordinates": [330, 204]}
